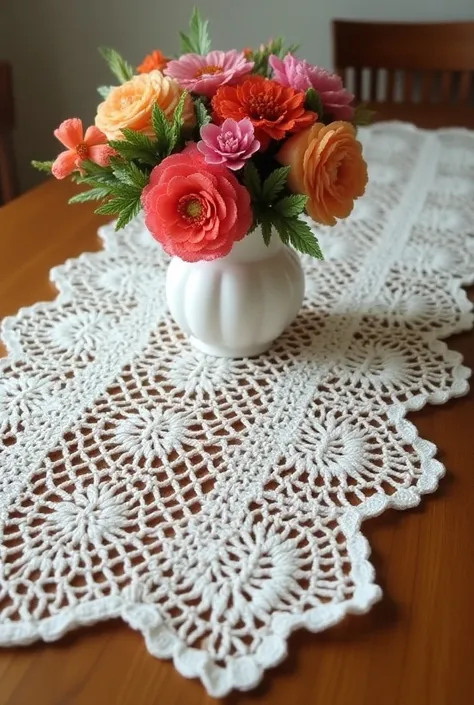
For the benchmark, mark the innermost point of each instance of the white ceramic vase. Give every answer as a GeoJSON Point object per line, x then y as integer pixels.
{"type": "Point", "coordinates": [238, 305]}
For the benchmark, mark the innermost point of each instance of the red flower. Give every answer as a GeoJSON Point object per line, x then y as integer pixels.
{"type": "Point", "coordinates": [273, 109]}
{"type": "Point", "coordinates": [195, 210]}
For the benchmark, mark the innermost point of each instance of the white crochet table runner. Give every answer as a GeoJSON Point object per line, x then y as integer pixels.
{"type": "Point", "coordinates": [216, 505]}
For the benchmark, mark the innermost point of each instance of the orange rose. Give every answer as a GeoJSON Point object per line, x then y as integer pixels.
{"type": "Point", "coordinates": [131, 104]}
{"type": "Point", "coordinates": [327, 165]}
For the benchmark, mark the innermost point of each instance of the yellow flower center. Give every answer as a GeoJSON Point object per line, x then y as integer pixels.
{"type": "Point", "coordinates": [190, 209]}
{"type": "Point", "coordinates": [208, 70]}
{"type": "Point", "coordinates": [193, 209]}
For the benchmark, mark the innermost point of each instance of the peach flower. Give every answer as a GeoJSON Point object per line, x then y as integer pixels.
{"type": "Point", "coordinates": [327, 165]}
{"type": "Point", "coordinates": [195, 210]}
{"type": "Point", "coordinates": [131, 104]}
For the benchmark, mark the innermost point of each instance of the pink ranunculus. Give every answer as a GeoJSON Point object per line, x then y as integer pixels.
{"type": "Point", "coordinates": [300, 75]}
{"type": "Point", "coordinates": [204, 74]}
{"type": "Point", "coordinates": [231, 143]}
{"type": "Point", "coordinates": [195, 210]}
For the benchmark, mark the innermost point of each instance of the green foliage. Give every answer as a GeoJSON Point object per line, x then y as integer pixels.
{"type": "Point", "coordinates": [126, 207]}
{"type": "Point", "coordinates": [274, 208]}
{"type": "Point", "coordinates": [117, 64]}
{"type": "Point", "coordinates": [198, 40]}
{"type": "Point", "coordinates": [252, 181]}
{"type": "Point", "coordinates": [119, 186]}
{"type": "Point", "coordinates": [275, 46]}
{"type": "Point", "coordinates": [291, 206]}
{"type": "Point", "coordinates": [313, 102]}
{"type": "Point", "coordinates": [42, 166]}
{"type": "Point", "coordinates": [137, 146]}
{"type": "Point", "coordinates": [302, 238]}
{"type": "Point", "coordinates": [274, 184]}
{"type": "Point", "coordinates": [178, 123]}
{"type": "Point", "coordinates": [104, 91]}
{"type": "Point", "coordinates": [94, 194]}
{"type": "Point", "coordinates": [203, 116]}
{"type": "Point", "coordinates": [168, 135]}
{"type": "Point", "coordinates": [161, 127]}
{"type": "Point", "coordinates": [363, 115]}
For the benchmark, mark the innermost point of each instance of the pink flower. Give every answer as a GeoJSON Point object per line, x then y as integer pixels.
{"type": "Point", "coordinates": [92, 146]}
{"type": "Point", "coordinates": [231, 143]}
{"type": "Point", "coordinates": [204, 74]}
{"type": "Point", "coordinates": [195, 210]}
{"type": "Point", "coordinates": [301, 75]}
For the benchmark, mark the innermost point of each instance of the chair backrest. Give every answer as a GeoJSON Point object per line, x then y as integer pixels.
{"type": "Point", "coordinates": [423, 73]}
{"type": "Point", "coordinates": [8, 182]}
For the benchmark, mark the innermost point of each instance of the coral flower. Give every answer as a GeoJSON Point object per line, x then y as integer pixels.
{"type": "Point", "coordinates": [273, 109]}
{"type": "Point", "coordinates": [204, 74]}
{"type": "Point", "coordinates": [155, 60]}
{"type": "Point", "coordinates": [231, 143]}
{"type": "Point", "coordinates": [91, 146]}
{"type": "Point", "coordinates": [327, 165]}
{"type": "Point", "coordinates": [301, 75]}
{"type": "Point", "coordinates": [195, 210]}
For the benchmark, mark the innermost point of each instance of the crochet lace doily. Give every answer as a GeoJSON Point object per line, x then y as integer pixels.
{"type": "Point", "coordinates": [215, 505]}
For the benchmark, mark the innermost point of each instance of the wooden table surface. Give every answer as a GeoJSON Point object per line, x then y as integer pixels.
{"type": "Point", "coordinates": [414, 648]}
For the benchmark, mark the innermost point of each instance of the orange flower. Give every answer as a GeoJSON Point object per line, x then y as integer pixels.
{"type": "Point", "coordinates": [327, 165]}
{"type": "Point", "coordinates": [273, 109]}
{"type": "Point", "coordinates": [131, 104]}
{"type": "Point", "coordinates": [155, 60]}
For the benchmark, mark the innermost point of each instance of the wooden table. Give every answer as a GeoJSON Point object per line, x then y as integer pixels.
{"type": "Point", "coordinates": [414, 648]}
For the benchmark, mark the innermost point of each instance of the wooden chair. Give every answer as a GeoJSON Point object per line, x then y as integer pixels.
{"type": "Point", "coordinates": [8, 182]}
{"type": "Point", "coordinates": [421, 73]}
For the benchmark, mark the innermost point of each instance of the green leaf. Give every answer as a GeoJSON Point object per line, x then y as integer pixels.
{"type": "Point", "coordinates": [292, 49]}
{"type": "Point", "coordinates": [279, 223]}
{"type": "Point", "coordinates": [178, 122]}
{"type": "Point", "coordinates": [313, 102]}
{"type": "Point", "coordinates": [162, 129]}
{"type": "Point", "coordinates": [302, 238]}
{"type": "Point", "coordinates": [117, 64]}
{"type": "Point", "coordinates": [94, 194]}
{"type": "Point", "coordinates": [92, 168]}
{"type": "Point", "coordinates": [291, 206]}
{"type": "Point", "coordinates": [128, 213]}
{"type": "Point", "coordinates": [266, 225]}
{"type": "Point", "coordinates": [129, 151]}
{"type": "Point", "coordinates": [198, 40]}
{"type": "Point", "coordinates": [138, 139]}
{"type": "Point", "coordinates": [130, 174]}
{"type": "Point", "coordinates": [110, 208]}
{"type": "Point", "coordinates": [274, 184]}
{"type": "Point", "coordinates": [203, 116]}
{"type": "Point", "coordinates": [104, 91]}
{"type": "Point", "coordinates": [42, 166]}
{"type": "Point", "coordinates": [95, 174]}
{"type": "Point", "coordinates": [252, 181]}
{"type": "Point", "coordinates": [125, 207]}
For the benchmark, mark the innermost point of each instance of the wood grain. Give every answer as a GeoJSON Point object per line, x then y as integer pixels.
{"type": "Point", "coordinates": [413, 648]}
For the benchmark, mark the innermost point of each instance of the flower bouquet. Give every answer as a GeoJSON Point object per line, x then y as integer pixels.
{"type": "Point", "coordinates": [225, 151]}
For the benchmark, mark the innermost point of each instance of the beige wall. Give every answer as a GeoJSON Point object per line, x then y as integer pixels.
{"type": "Point", "coordinates": [52, 45]}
